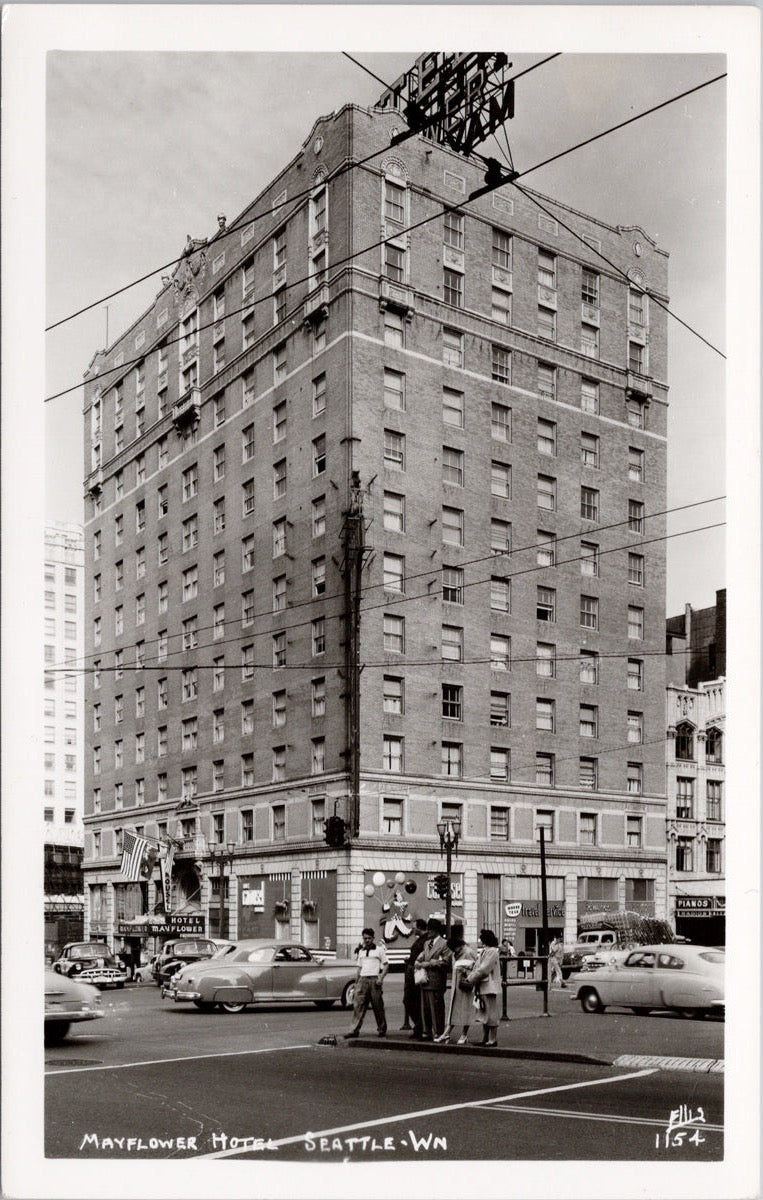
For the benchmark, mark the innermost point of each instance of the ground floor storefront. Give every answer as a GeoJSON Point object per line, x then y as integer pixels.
{"type": "Point", "coordinates": [700, 917]}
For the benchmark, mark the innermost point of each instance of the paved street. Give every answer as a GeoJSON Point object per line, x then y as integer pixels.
{"type": "Point", "coordinates": [183, 1084]}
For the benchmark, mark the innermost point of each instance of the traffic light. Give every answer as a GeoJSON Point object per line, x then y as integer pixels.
{"type": "Point", "coordinates": [335, 832]}
{"type": "Point", "coordinates": [441, 885]}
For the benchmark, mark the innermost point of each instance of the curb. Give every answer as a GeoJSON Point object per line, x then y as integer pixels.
{"type": "Point", "coordinates": [707, 1066]}
{"type": "Point", "coordinates": [500, 1052]}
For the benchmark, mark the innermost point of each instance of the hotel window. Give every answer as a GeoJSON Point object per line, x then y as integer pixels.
{"type": "Point", "coordinates": [318, 635]}
{"type": "Point", "coordinates": [685, 743]}
{"type": "Point", "coordinates": [119, 708]}
{"type": "Point", "coordinates": [635, 779]}
{"type": "Point", "coordinates": [636, 413]}
{"type": "Point", "coordinates": [546, 323]}
{"type": "Point", "coordinates": [161, 693]}
{"type": "Point", "coordinates": [544, 715]}
{"type": "Point", "coordinates": [635, 728]}
{"type": "Point", "coordinates": [394, 202]}
{"type": "Point", "coordinates": [547, 381]}
{"type": "Point", "coordinates": [218, 726]}
{"type": "Point", "coordinates": [279, 593]}
{"type": "Point", "coordinates": [394, 450]}
{"type": "Point", "coordinates": [451, 760]}
{"type": "Point", "coordinates": [636, 569]}
{"type": "Point", "coordinates": [500, 480]}
{"type": "Point", "coordinates": [96, 548]}
{"type": "Point", "coordinates": [279, 651]}
{"type": "Point", "coordinates": [635, 676]}
{"type": "Point", "coordinates": [163, 452]}
{"type": "Point", "coordinates": [218, 515]}
{"type": "Point", "coordinates": [589, 450]}
{"type": "Point", "coordinates": [247, 497]}
{"type": "Point", "coordinates": [453, 585]}
{"type": "Point", "coordinates": [394, 262]}
{"type": "Point", "coordinates": [589, 721]}
{"type": "Point", "coordinates": [318, 569]}
{"type": "Point", "coordinates": [684, 854]}
{"type": "Point", "coordinates": [452, 702]}
{"type": "Point", "coordinates": [218, 468]}
{"type": "Point", "coordinates": [247, 825]}
{"type": "Point", "coordinates": [589, 396]}
{"type": "Point", "coordinates": [453, 287]}
{"type": "Point", "coordinates": [545, 660]}
{"type": "Point", "coordinates": [393, 695]}
{"type": "Point", "coordinates": [500, 422]}
{"type": "Point", "coordinates": [589, 612]}
{"type": "Point", "coordinates": [218, 674]}
{"type": "Point", "coordinates": [501, 253]}
{"type": "Point", "coordinates": [587, 820]}
{"type": "Point", "coordinates": [279, 709]}
{"type": "Point", "coordinates": [713, 856]}
{"type": "Point", "coordinates": [453, 466]}
{"type": "Point", "coordinates": [546, 269]}
{"type": "Point", "coordinates": [279, 537]}
{"type": "Point", "coordinates": [588, 774]}
{"type": "Point", "coordinates": [453, 231]}
{"type": "Point", "coordinates": [247, 662]}
{"type": "Point", "coordinates": [392, 753]}
{"type": "Point", "coordinates": [500, 536]}
{"type": "Point", "coordinates": [190, 482]}
{"type": "Point", "coordinates": [247, 770]}
{"type": "Point", "coordinates": [500, 710]}
{"type": "Point", "coordinates": [589, 558]}
{"type": "Point", "coordinates": [544, 819]}
{"type": "Point", "coordinates": [140, 516]}
{"type": "Point", "coordinates": [500, 367]}
{"type": "Point", "coordinates": [452, 348]}
{"type": "Point", "coordinates": [279, 305]}
{"type": "Point", "coordinates": [635, 464]}
{"type": "Point", "coordinates": [190, 583]}
{"type": "Point", "coordinates": [119, 443]}
{"type": "Point", "coordinates": [190, 633]}
{"type": "Point", "coordinates": [279, 363]}
{"type": "Point", "coordinates": [713, 746]}
{"type": "Point", "coordinates": [453, 408]}
{"type": "Point", "coordinates": [546, 437]}
{"type": "Point", "coordinates": [247, 552]}
{"type": "Point", "coordinates": [218, 405]}
{"type": "Point", "coordinates": [394, 329]}
{"type": "Point", "coordinates": [279, 810]}
{"type": "Point", "coordinates": [500, 306]}
{"type": "Point", "coordinates": [500, 594]}
{"type": "Point", "coordinates": [452, 643]}
{"type": "Point", "coordinates": [189, 684]}
{"type": "Point", "coordinates": [545, 555]}
{"type": "Point", "coordinates": [635, 623]}
{"type": "Point", "coordinates": [140, 562]}
{"type": "Point", "coordinates": [547, 492]}
{"type": "Point", "coordinates": [190, 533]}
{"type": "Point", "coordinates": [279, 477]}
{"type": "Point", "coordinates": [545, 609]}
{"type": "Point", "coordinates": [636, 307]}
{"type": "Point", "coordinates": [247, 443]}
{"type": "Point", "coordinates": [279, 422]}
{"type": "Point", "coordinates": [452, 526]}
{"type": "Point", "coordinates": [394, 512]}
{"type": "Point", "coordinates": [319, 516]}
{"type": "Point", "coordinates": [394, 573]}
{"type": "Point", "coordinates": [636, 358]}
{"type": "Point", "coordinates": [636, 516]}
{"type": "Point", "coordinates": [684, 798]}
{"type": "Point", "coordinates": [218, 784]}
{"type": "Point", "coordinates": [394, 634]}
{"type": "Point", "coordinates": [96, 588]}
{"type": "Point", "coordinates": [500, 652]}
{"type": "Point", "coordinates": [119, 485]}
{"type": "Point", "coordinates": [713, 799]}
{"type": "Point", "coordinates": [317, 756]}
{"type": "Point", "coordinates": [317, 696]}
{"type": "Point", "coordinates": [119, 618]}
{"type": "Point", "coordinates": [189, 734]}
{"type": "Point", "coordinates": [499, 764]}
{"type": "Point", "coordinates": [589, 341]}
{"type": "Point", "coordinates": [392, 817]}
{"type": "Point", "coordinates": [589, 504]}
{"type": "Point", "coordinates": [590, 287]}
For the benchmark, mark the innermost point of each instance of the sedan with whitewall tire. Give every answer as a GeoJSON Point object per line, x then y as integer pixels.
{"type": "Point", "coordinates": [261, 971]}
{"type": "Point", "coordinates": [686, 979]}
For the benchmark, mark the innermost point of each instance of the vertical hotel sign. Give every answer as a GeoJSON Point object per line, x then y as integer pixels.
{"type": "Point", "coordinates": [458, 100]}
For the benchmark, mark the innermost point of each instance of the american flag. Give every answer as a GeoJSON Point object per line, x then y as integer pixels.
{"type": "Point", "coordinates": [133, 853]}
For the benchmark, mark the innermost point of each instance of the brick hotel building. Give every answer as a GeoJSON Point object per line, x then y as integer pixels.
{"type": "Point", "coordinates": [494, 397]}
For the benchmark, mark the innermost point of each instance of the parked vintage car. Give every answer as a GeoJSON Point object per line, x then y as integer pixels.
{"type": "Point", "coordinates": [178, 951]}
{"type": "Point", "coordinates": [92, 962]}
{"type": "Point", "coordinates": [263, 971]}
{"type": "Point", "coordinates": [68, 1000]}
{"type": "Point", "coordinates": [689, 979]}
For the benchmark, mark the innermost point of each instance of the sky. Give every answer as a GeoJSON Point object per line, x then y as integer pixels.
{"type": "Point", "coordinates": [145, 148]}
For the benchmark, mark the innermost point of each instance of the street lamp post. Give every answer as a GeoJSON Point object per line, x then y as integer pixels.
{"type": "Point", "coordinates": [449, 829]}
{"type": "Point", "coordinates": [221, 854]}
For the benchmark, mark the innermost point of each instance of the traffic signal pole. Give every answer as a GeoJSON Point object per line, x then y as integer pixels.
{"type": "Point", "coordinates": [354, 557]}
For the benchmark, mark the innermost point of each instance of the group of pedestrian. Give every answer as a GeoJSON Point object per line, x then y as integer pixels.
{"type": "Point", "coordinates": [476, 984]}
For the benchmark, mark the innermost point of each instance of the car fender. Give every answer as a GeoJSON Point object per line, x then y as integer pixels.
{"type": "Point", "coordinates": [210, 984]}
{"type": "Point", "coordinates": [231, 993]}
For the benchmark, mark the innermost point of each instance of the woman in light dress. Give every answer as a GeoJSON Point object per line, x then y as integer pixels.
{"type": "Point", "coordinates": [461, 1008]}
{"type": "Point", "coordinates": [486, 978]}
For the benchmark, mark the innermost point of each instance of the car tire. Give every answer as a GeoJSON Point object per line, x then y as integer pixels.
{"type": "Point", "coordinates": [120, 986]}
{"type": "Point", "coordinates": [233, 1006]}
{"type": "Point", "coordinates": [348, 995]}
{"type": "Point", "coordinates": [324, 1003]}
{"type": "Point", "coordinates": [590, 1001]}
{"type": "Point", "coordinates": [56, 1031]}
{"type": "Point", "coordinates": [206, 1006]}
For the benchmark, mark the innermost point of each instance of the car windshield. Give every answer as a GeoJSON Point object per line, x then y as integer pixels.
{"type": "Point", "coordinates": [96, 950]}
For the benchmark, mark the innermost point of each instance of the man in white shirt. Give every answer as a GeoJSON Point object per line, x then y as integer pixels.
{"type": "Point", "coordinates": [372, 967]}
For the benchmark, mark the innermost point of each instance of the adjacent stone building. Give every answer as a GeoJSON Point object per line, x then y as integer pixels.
{"type": "Point", "coordinates": [369, 533]}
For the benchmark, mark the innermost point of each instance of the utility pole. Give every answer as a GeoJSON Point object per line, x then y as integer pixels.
{"type": "Point", "coordinates": [354, 559]}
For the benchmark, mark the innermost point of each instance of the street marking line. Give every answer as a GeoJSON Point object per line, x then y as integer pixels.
{"type": "Point", "coordinates": [151, 1062]}
{"type": "Point", "coordinates": [671, 1062]}
{"type": "Point", "coordinates": [428, 1112]}
{"type": "Point", "coordinates": [575, 1114]}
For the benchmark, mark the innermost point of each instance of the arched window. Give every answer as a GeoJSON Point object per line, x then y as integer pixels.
{"type": "Point", "coordinates": [685, 742]}
{"type": "Point", "coordinates": [714, 745]}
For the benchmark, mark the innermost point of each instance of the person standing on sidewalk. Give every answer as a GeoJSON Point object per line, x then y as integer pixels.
{"type": "Point", "coordinates": [373, 965]}
{"type": "Point", "coordinates": [460, 1008]}
{"type": "Point", "coordinates": [434, 960]}
{"type": "Point", "coordinates": [486, 980]}
{"type": "Point", "coordinates": [555, 954]}
{"type": "Point", "coordinates": [411, 990]}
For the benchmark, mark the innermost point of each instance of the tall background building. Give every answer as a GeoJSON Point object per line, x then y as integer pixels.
{"type": "Point", "coordinates": [64, 698]}
{"type": "Point", "coordinates": [369, 534]}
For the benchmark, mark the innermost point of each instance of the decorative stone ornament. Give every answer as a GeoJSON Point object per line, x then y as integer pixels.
{"type": "Point", "coordinates": [192, 266]}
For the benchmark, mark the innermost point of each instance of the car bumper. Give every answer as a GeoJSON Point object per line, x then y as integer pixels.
{"type": "Point", "coordinates": [176, 994]}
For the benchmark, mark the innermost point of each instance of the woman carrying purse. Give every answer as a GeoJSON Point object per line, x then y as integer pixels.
{"type": "Point", "coordinates": [460, 1009]}
{"type": "Point", "coordinates": [486, 980]}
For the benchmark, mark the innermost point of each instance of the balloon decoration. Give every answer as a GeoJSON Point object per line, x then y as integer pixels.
{"type": "Point", "coordinates": [379, 878]}
{"type": "Point", "coordinates": [399, 877]}
{"type": "Point", "coordinates": [395, 919]}
{"type": "Point", "coordinates": [369, 889]}
{"type": "Point", "coordinates": [410, 886]}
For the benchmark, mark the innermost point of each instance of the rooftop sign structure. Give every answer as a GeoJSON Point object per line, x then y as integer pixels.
{"type": "Point", "coordinates": [458, 100]}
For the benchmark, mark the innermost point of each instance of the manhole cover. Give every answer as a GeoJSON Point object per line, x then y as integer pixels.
{"type": "Point", "coordinates": [73, 1062]}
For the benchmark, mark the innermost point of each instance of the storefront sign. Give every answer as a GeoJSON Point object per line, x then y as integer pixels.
{"type": "Point", "coordinates": [534, 910]}
{"type": "Point", "coordinates": [253, 897]}
{"type": "Point", "coordinates": [187, 924]}
{"type": "Point", "coordinates": [456, 890]}
{"type": "Point", "coordinates": [700, 906]}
